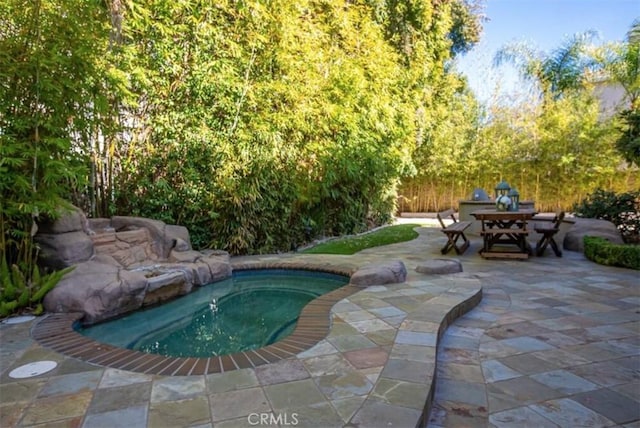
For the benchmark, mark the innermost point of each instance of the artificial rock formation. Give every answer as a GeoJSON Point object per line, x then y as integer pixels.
{"type": "Point", "coordinates": [66, 241]}
{"type": "Point", "coordinates": [122, 264]}
{"type": "Point", "coordinates": [439, 266]}
{"type": "Point", "coordinates": [393, 272]}
{"type": "Point", "coordinates": [573, 240]}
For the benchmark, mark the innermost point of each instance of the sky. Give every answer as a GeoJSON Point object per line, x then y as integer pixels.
{"type": "Point", "coordinates": [545, 25]}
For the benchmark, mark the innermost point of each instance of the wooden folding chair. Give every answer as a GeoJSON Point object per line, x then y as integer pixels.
{"type": "Point", "coordinates": [453, 231]}
{"type": "Point", "coordinates": [548, 232]}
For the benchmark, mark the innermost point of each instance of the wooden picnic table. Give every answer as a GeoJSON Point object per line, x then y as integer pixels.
{"type": "Point", "coordinates": [504, 233]}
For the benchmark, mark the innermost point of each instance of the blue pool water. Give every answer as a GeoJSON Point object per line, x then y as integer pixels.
{"type": "Point", "coordinates": [248, 311]}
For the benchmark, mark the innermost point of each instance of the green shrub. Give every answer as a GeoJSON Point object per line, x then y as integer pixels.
{"type": "Point", "coordinates": [21, 289]}
{"type": "Point", "coordinates": [604, 252]}
{"type": "Point", "coordinates": [622, 209]}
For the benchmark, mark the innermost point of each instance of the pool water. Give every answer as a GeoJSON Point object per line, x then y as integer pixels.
{"type": "Point", "coordinates": [248, 311]}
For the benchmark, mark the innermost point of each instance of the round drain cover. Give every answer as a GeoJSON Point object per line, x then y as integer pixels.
{"type": "Point", "coordinates": [32, 369]}
{"type": "Point", "coordinates": [18, 320]}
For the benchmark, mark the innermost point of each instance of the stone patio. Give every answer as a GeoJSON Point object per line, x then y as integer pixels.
{"type": "Point", "coordinates": [554, 342]}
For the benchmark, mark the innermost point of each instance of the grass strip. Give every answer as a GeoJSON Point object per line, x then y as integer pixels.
{"type": "Point", "coordinates": [353, 244]}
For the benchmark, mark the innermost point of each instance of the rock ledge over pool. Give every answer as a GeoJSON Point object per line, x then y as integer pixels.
{"type": "Point", "coordinates": [122, 264]}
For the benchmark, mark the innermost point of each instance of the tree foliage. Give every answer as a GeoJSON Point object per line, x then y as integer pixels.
{"type": "Point", "coordinates": [260, 121]}
{"type": "Point", "coordinates": [255, 124]}
{"type": "Point", "coordinates": [261, 124]}
{"type": "Point", "coordinates": [622, 209]}
{"type": "Point", "coordinates": [561, 70]}
{"type": "Point", "coordinates": [628, 144]}
{"type": "Point", "coordinates": [466, 27]}
{"type": "Point", "coordinates": [554, 152]}
{"type": "Point", "coordinates": [621, 64]}
{"type": "Point", "coordinates": [555, 146]}
{"type": "Point", "coordinates": [52, 83]}
{"type": "Point", "coordinates": [53, 104]}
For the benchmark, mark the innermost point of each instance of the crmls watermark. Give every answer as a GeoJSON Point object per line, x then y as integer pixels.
{"type": "Point", "coordinates": [281, 419]}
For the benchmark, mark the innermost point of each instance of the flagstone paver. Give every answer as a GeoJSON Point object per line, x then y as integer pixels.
{"type": "Point", "coordinates": [120, 397]}
{"type": "Point", "coordinates": [612, 405]}
{"type": "Point", "coordinates": [180, 413]}
{"type": "Point", "coordinates": [235, 404]}
{"type": "Point", "coordinates": [280, 372]}
{"type": "Point", "coordinates": [344, 385]}
{"type": "Point", "coordinates": [177, 388]}
{"type": "Point", "coordinates": [233, 380]}
{"type": "Point", "coordinates": [555, 342]}
{"type": "Point", "coordinates": [568, 413]}
{"type": "Point", "coordinates": [548, 351]}
{"type": "Point", "coordinates": [124, 418]}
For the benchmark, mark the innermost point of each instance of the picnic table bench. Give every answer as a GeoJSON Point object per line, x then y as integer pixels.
{"type": "Point", "coordinates": [454, 231]}
{"type": "Point", "coordinates": [502, 229]}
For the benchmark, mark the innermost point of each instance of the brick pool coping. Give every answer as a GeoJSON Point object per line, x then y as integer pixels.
{"type": "Point", "coordinates": [56, 332]}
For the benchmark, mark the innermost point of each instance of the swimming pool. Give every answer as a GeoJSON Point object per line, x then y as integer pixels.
{"type": "Point", "coordinates": [253, 309]}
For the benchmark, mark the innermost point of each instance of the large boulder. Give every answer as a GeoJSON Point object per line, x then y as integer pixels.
{"type": "Point", "coordinates": [64, 241]}
{"type": "Point", "coordinates": [393, 272]}
{"type": "Point", "coordinates": [61, 250]}
{"type": "Point", "coordinates": [573, 240]}
{"type": "Point", "coordinates": [99, 288]}
{"type": "Point", "coordinates": [70, 219]}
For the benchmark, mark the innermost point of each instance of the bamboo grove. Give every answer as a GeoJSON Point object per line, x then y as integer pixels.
{"type": "Point", "coordinates": [262, 124]}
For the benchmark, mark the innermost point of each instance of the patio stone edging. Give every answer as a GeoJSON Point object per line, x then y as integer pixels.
{"type": "Point", "coordinates": [444, 310]}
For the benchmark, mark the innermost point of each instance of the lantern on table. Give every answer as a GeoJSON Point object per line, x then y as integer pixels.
{"type": "Point", "coordinates": [514, 195]}
{"type": "Point", "coordinates": [502, 189]}
{"type": "Point", "coordinates": [503, 203]}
